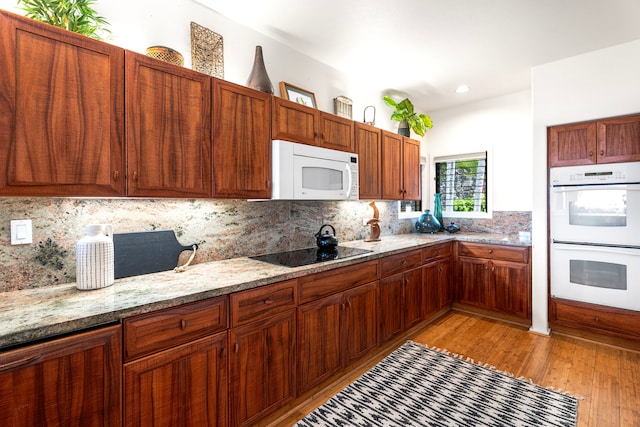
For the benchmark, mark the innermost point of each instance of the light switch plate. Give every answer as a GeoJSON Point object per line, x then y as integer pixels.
{"type": "Point", "coordinates": [21, 232]}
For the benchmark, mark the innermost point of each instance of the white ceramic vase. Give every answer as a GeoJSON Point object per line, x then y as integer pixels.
{"type": "Point", "coordinates": [94, 258]}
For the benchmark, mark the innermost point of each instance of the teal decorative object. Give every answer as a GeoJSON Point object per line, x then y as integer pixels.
{"type": "Point", "coordinates": [437, 209]}
{"type": "Point", "coordinates": [427, 223]}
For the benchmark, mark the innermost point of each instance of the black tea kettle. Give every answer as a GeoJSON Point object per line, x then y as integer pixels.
{"type": "Point", "coordinates": [326, 241]}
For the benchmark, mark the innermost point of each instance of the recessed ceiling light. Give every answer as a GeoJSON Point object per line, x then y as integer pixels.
{"type": "Point", "coordinates": [462, 89]}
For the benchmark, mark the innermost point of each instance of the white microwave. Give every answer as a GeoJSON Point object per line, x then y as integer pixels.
{"type": "Point", "coordinates": [307, 172]}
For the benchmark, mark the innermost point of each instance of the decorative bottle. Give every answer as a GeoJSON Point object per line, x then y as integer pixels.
{"type": "Point", "coordinates": [427, 223]}
{"type": "Point", "coordinates": [95, 258]}
{"type": "Point", "coordinates": [437, 210]}
{"type": "Point", "coordinates": [258, 78]}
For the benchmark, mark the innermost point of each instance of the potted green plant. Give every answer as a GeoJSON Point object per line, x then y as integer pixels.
{"type": "Point", "coordinates": [73, 15]}
{"type": "Point", "coordinates": [408, 118]}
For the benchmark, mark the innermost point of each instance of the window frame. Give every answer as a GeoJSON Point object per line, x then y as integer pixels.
{"type": "Point", "coordinates": [465, 156]}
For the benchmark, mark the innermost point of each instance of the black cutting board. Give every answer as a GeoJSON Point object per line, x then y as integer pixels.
{"type": "Point", "coordinates": [146, 252]}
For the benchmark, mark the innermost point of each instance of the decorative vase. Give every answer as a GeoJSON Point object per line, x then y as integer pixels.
{"type": "Point", "coordinates": [95, 258]}
{"type": "Point", "coordinates": [427, 223]}
{"type": "Point", "coordinates": [452, 228]}
{"type": "Point", "coordinates": [258, 78]}
{"type": "Point", "coordinates": [403, 128]}
{"type": "Point", "coordinates": [437, 209]}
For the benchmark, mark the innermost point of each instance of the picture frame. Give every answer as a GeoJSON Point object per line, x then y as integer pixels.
{"type": "Point", "coordinates": [298, 95]}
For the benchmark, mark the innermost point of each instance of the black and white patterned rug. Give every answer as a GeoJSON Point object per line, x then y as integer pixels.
{"type": "Point", "coordinates": [418, 386]}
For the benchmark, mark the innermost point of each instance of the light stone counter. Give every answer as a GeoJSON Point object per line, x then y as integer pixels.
{"type": "Point", "coordinates": [34, 314]}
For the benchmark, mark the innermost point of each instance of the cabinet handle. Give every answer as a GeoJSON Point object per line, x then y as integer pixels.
{"type": "Point", "coordinates": [342, 306]}
{"type": "Point", "coordinates": [16, 363]}
{"type": "Point", "coordinates": [236, 347]}
{"type": "Point", "coordinates": [268, 301]}
{"type": "Point", "coordinates": [602, 152]}
{"type": "Point", "coordinates": [183, 324]}
{"type": "Point", "coordinates": [116, 175]}
{"type": "Point", "coordinates": [223, 350]}
{"type": "Point", "coordinates": [590, 153]}
{"type": "Point", "coordinates": [135, 176]}
{"type": "Point", "coordinates": [349, 303]}
{"type": "Point", "coordinates": [268, 183]}
{"type": "Point", "coordinates": [597, 319]}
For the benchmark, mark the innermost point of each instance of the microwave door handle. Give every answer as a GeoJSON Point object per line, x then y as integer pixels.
{"type": "Point", "coordinates": [350, 175]}
{"type": "Point", "coordinates": [568, 188]}
{"type": "Point", "coordinates": [577, 247]}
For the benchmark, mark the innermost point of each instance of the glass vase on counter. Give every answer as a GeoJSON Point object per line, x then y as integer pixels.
{"type": "Point", "coordinates": [437, 210]}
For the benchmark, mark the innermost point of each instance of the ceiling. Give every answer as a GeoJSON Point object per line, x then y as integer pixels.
{"type": "Point", "coordinates": [425, 49]}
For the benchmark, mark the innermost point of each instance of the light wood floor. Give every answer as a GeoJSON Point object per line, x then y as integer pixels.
{"type": "Point", "coordinates": [606, 377]}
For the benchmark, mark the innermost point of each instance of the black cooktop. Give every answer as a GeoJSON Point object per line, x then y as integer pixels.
{"type": "Point", "coordinates": [309, 256]}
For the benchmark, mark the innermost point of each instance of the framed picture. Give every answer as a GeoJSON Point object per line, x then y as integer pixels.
{"type": "Point", "coordinates": [297, 94]}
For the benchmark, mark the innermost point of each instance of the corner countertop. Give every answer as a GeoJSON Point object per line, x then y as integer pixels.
{"type": "Point", "coordinates": [34, 314]}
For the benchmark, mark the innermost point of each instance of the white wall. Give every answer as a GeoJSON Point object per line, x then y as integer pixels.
{"type": "Point", "coordinates": [501, 125]}
{"type": "Point", "coordinates": [598, 84]}
{"type": "Point", "coordinates": [147, 23]}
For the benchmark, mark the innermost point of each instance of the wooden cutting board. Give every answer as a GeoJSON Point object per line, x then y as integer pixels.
{"type": "Point", "coordinates": [146, 252]}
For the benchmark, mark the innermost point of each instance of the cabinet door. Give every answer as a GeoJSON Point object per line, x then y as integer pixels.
{"type": "Point", "coordinates": [368, 146]}
{"type": "Point", "coordinates": [168, 110]}
{"type": "Point", "coordinates": [318, 344]}
{"type": "Point", "coordinates": [360, 321]}
{"type": "Point", "coordinates": [391, 306]}
{"type": "Point", "coordinates": [412, 298]}
{"type": "Point", "coordinates": [261, 367]}
{"type": "Point", "coordinates": [241, 142]}
{"type": "Point", "coordinates": [185, 386]}
{"type": "Point", "coordinates": [294, 122]}
{"type": "Point", "coordinates": [510, 288]}
{"type": "Point", "coordinates": [411, 169]}
{"type": "Point", "coordinates": [61, 112]}
{"type": "Point", "coordinates": [573, 144]}
{"type": "Point", "coordinates": [619, 139]}
{"type": "Point", "coordinates": [445, 292]}
{"type": "Point", "coordinates": [73, 381]}
{"type": "Point", "coordinates": [392, 166]}
{"type": "Point", "coordinates": [336, 132]}
{"type": "Point", "coordinates": [473, 281]}
{"type": "Point", "coordinates": [431, 288]}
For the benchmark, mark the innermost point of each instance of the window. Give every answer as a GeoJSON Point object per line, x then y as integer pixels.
{"type": "Point", "coordinates": [462, 183]}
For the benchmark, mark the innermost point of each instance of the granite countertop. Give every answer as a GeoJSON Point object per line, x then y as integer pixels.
{"type": "Point", "coordinates": [34, 314]}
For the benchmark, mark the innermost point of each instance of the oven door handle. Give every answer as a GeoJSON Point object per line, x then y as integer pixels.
{"type": "Point", "coordinates": [568, 188]}
{"type": "Point", "coordinates": [585, 247]}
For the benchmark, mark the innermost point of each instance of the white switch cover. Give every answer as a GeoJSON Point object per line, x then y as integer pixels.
{"type": "Point", "coordinates": [21, 233]}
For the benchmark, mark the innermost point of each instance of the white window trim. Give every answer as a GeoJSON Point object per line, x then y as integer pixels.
{"type": "Point", "coordinates": [432, 184]}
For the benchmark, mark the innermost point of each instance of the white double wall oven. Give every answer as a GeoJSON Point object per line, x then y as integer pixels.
{"type": "Point", "coordinates": [594, 216]}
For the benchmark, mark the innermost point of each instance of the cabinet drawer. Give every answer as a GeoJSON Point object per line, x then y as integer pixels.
{"type": "Point", "coordinates": [431, 253]}
{"type": "Point", "coordinates": [504, 253]}
{"type": "Point", "coordinates": [259, 303]}
{"type": "Point", "coordinates": [329, 282]}
{"type": "Point", "coordinates": [151, 332]}
{"type": "Point", "coordinates": [597, 318]}
{"type": "Point", "coordinates": [398, 263]}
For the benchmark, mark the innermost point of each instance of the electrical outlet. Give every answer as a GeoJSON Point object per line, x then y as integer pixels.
{"type": "Point", "coordinates": [21, 232]}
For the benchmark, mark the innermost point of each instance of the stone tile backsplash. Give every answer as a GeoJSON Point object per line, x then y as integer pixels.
{"type": "Point", "coordinates": [222, 228]}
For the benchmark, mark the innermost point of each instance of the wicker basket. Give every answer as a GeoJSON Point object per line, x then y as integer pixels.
{"type": "Point", "coordinates": [165, 54]}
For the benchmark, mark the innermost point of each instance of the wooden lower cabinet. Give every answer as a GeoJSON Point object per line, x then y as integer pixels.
{"type": "Point", "coordinates": [333, 332]}
{"type": "Point", "coordinates": [71, 381]}
{"type": "Point", "coordinates": [181, 386]}
{"type": "Point", "coordinates": [495, 277]}
{"type": "Point", "coordinates": [437, 292]}
{"type": "Point", "coordinates": [400, 303]}
{"type": "Point", "coordinates": [261, 367]}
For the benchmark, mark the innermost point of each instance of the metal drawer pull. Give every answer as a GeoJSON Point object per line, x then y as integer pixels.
{"type": "Point", "coordinates": [16, 363]}
{"type": "Point", "coordinates": [183, 324]}
{"type": "Point", "coordinates": [268, 301]}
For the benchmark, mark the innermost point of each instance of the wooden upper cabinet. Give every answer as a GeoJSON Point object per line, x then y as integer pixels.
{"type": "Point", "coordinates": [299, 123]}
{"type": "Point", "coordinates": [73, 381]}
{"type": "Point", "coordinates": [400, 167]}
{"type": "Point", "coordinates": [603, 141]}
{"type": "Point", "coordinates": [619, 139]}
{"type": "Point", "coordinates": [241, 142]}
{"type": "Point", "coordinates": [573, 144]}
{"type": "Point", "coordinates": [368, 141]}
{"type": "Point", "coordinates": [61, 112]}
{"type": "Point", "coordinates": [411, 169]}
{"type": "Point", "coordinates": [392, 166]}
{"type": "Point", "coordinates": [336, 133]}
{"type": "Point", "coordinates": [168, 111]}
{"type": "Point", "coordinates": [294, 122]}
